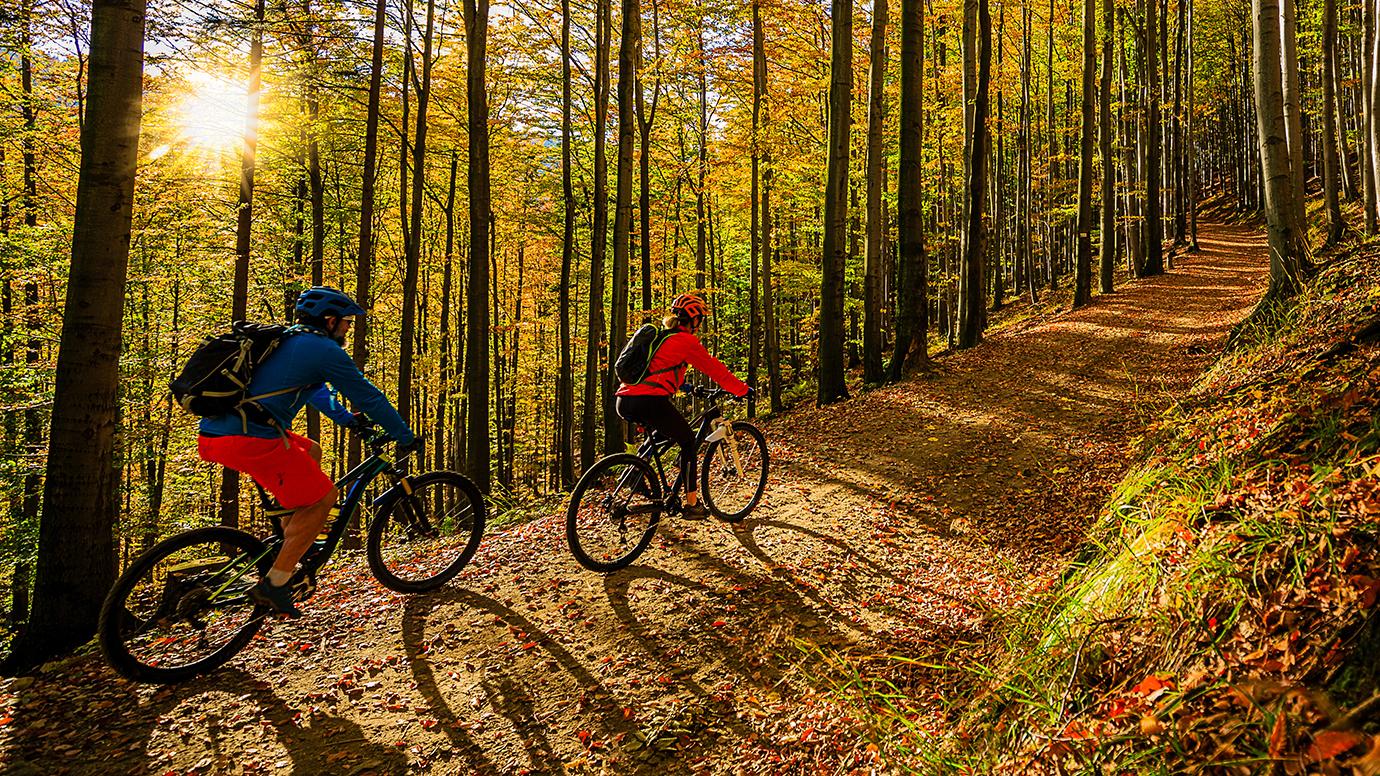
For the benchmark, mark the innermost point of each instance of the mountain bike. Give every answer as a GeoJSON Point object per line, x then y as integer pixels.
{"type": "Point", "coordinates": [182, 607]}
{"type": "Point", "coordinates": [618, 503]}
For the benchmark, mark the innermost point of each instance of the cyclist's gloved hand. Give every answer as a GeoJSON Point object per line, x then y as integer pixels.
{"type": "Point", "coordinates": [411, 447]}
{"type": "Point", "coordinates": [358, 421]}
{"type": "Point", "coordinates": [687, 388]}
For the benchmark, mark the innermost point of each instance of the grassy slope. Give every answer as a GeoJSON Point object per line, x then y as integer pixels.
{"type": "Point", "coordinates": [1222, 611]}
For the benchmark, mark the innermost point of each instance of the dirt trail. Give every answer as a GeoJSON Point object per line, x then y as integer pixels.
{"type": "Point", "coordinates": [892, 522]}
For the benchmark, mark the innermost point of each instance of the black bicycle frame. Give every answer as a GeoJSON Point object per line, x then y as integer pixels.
{"type": "Point", "coordinates": [656, 444]}
{"type": "Point", "coordinates": [353, 483]}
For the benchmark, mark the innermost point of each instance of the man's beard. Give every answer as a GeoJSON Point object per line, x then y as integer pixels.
{"type": "Point", "coordinates": [339, 339]}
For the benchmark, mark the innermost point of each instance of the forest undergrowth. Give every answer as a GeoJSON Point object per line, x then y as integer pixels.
{"type": "Point", "coordinates": [1222, 614]}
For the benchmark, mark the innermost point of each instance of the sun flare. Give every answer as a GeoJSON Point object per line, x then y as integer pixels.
{"type": "Point", "coordinates": [211, 114]}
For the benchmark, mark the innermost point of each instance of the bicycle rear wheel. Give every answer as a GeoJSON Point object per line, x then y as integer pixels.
{"type": "Point", "coordinates": [731, 485]}
{"type": "Point", "coordinates": [613, 513]}
{"type": "Point", "coordinates": [421, 540]}
{"type": "Point", "coordinates": [182, 609]}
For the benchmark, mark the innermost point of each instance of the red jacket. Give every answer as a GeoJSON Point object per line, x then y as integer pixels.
{"type": "Point", "coordinates": [678, 351]}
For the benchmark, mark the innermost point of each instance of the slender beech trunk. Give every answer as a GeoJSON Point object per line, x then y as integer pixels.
{"type": "Point", "coordinates": [702, 68]}
{"type": "Point", "coordinates": [229, 513]}
{"type": "Point", "coordinates": [413, 248]}
{"type": "Point", "coordinates": [876, 227]}
{"type": "Point", "coordinates": [646, 116]}
{"type": "Point", "coordinates": [76, 550]}
{"type": "Point", "coordinates": [1367, 143]}
{"type": "Point", "coordinates": [622, 220]}
{"type": "Point", "coordinates": [1154, 220]}
{"type": "Point", "coordinates": [446, 395]}
{"type": "Point", "coordinates": [1288, 257]}
{"type": "Point", "coordinates": [832, 384]}
{"type": "Point", "coordinates": [1082, 270]}
{"type": "Point", "coordinates": [1107, 250]}
{"type": "Point", "coordinates": [971, 294]}
{"type": "Point", "coordinates": [762, 106]}
{"type": "Point", "coordinates": [1332, 179]}
{"type": "Point", "coordinates": [1293, 109]}
{"type": "Point", "coordinates": [912, 267]}
{"type": "Point", "coordinates": [565, 381]}
{"type": "Point", "coordinates": [33, 319]}
{"type": "Point", "coordinates": [594, 338]}
{"type": "Point", "coordinates": [477, 290]}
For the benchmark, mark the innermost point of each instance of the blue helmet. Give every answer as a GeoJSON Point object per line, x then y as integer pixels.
{"type": "Point", "coordinates": [320, 301]}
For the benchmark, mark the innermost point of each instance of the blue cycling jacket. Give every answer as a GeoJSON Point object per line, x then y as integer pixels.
{"type": "Point", "coordinates": [309, 360]}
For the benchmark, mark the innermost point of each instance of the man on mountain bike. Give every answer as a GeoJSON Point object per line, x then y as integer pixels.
{"type": "Point", "coordinates": [649, 401]}
{"type": "Point", "coordinates": [287, 465]}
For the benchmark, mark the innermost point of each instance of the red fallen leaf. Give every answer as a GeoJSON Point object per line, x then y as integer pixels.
{"type": "Point", "coordinates": [529, 645]}
{"type": "Point", "coordinates": [1152, 683]}
{"type": "Point", "coordinates": [583, 735]}
{"type": "Point", "coordinates": [1279, 735]}
{"type": "Point", "coordinates": [1330, 743]}
{"type": "Point", "coordinates": [5, 721]}
{"type": "Point", "coordinates": [718, 623]}
{"type": "Point", "coordinates": [1368, 588]}
{"type": "Point", "coordinates": [429, 724]}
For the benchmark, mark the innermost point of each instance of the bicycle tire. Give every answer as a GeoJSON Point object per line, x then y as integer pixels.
{"type": "Point", "coordinates": [115, 627]}
{"type": "Point", "coordinates": [735, 512]}
{"type": "Point", "coordinates": [586, 520]}
{"type": "Point", "coordinates": [408, 536]}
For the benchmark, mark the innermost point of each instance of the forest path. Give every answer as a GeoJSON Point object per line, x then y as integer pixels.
{"type": "Point", "coordinates": [892, 523]}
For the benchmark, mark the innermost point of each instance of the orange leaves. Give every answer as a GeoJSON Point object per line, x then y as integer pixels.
{"type": "Point", "coordinates": [1333, 743]}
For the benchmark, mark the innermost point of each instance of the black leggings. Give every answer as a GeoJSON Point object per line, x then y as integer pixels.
{"type": "Point", "coordinates": [659, 414]}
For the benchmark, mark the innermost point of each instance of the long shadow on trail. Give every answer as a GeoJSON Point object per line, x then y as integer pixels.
{"type": "Point", "coordinates": [124, 733]}
{"type": "Point", "coordinates": [504, 685]}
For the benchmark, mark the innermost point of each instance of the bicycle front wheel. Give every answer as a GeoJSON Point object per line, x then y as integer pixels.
{"type": "Point", "coordinates": [613, 512]}
{"type": "Point", "coordinates": [734, 473]}
{"type": "Point", "coordinates": [182, 608]}
{"type": "Point", "coordinates": [421, 540]}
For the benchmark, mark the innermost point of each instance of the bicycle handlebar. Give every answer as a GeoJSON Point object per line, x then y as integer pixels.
{"type": "Point", "coordinates": [374, 437]}
{"type": "Point", "coordinates": [712, 394]}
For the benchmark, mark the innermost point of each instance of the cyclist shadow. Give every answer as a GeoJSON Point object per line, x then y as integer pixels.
{"type": "Point", "coordinates": [745, 533]}
{"type": "Point", "coordinates": [771, 617]}
{"type": "Point", "coordinates": [505, 692]}
{"type": "Point", "coordinates": [313, 748]}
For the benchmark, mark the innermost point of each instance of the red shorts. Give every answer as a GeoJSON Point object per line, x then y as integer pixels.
{"type": "Point", "coordinates": [287, 471]}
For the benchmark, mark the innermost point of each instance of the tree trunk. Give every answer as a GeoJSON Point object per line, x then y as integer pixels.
{"type": "Point", "coordinates": [771, 343]}
{"type": "Point", "coordinates": [594, 337]}
{"type": "Point", "coordinates": [413, 238]}
{"type": "Point", "coordinates": [1332, 179]}
{"type": "Point", "coordinates": [1293, 110]}
{"type": "Point", "coordinates": [971, 293]}
{"type": "Point", "coordinates": [912, 267]}
{"type": "Point", "coordinates": [1367, 142]}
{"type": "Point", "coordinates": [565, 382]}
{"type": "Point", "coordinates": [239, 303]}
{"type": "Point", "coordinates": [832, 384]}
{"type": "Point", "coordinates": [1288, 257]}
{"type": "Point", "coordinates": [477, 290]}
{"type": "Point", "coordinates": [1154, 221]}
{"type": "Point", "coordinates": [1082, 270]}
{"type": "Point", "coordinates": [76, 557]}
{"type": "Point", "coordinates": [1107, 251]}
{"type": "Point", "coordinates": [622, 221]}
{"type": "Point", "coordinates": [876, 228]}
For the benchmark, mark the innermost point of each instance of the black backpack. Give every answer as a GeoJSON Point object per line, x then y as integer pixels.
{"type": "Point", "coordinates": [636, 357]}
{"type": "Point", "coordinates": [216, 378]}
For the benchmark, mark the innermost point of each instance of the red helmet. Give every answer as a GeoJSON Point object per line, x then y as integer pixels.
{"type": "Point", "coordinates": [690, 308]}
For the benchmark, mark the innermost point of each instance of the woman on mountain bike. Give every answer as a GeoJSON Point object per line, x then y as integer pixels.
{"type": "Point", "coordinates": [649, 402]}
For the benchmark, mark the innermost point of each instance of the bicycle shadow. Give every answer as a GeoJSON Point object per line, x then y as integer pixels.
{"type": "Point", "coordinates": [501, 684]}
{"type": "Point", "coordinates": [122, 732]}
